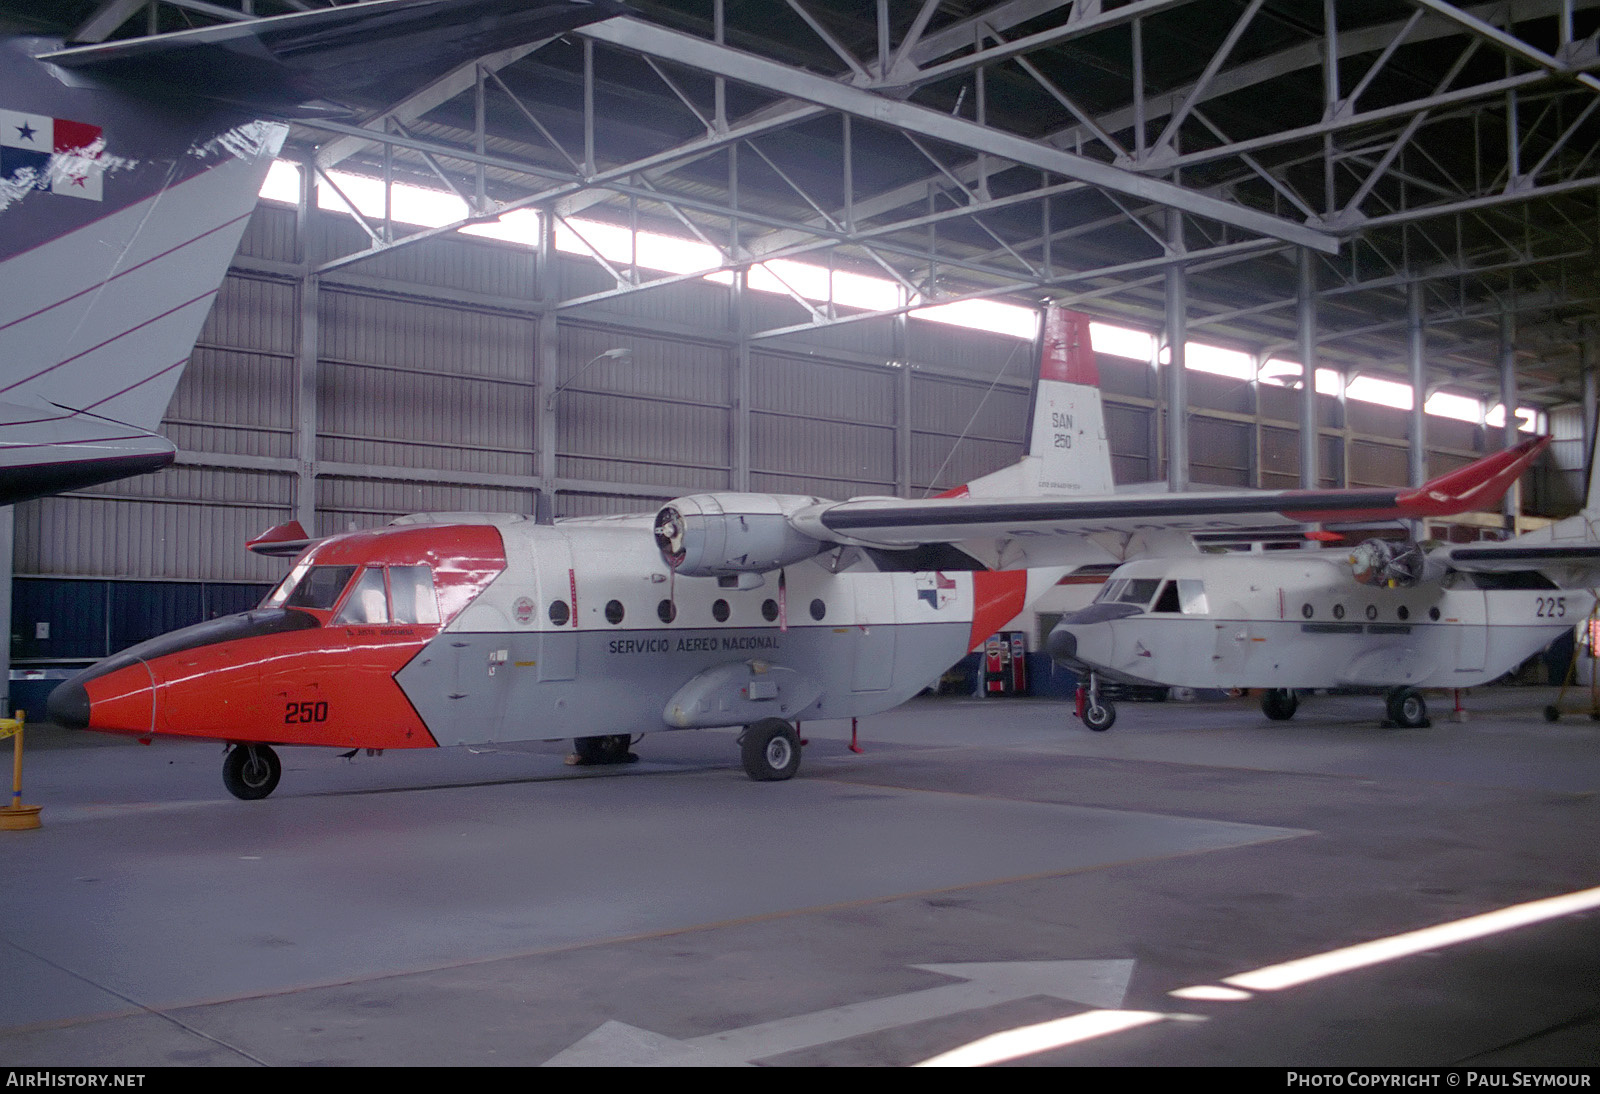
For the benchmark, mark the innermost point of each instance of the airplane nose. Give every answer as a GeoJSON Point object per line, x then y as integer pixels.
{"type": "Point", "coordinates": [68, 705]}
{"type": "Point", "coordinates": [1062, 645]}
{"type": "Point", "coordinates": [113, 695]}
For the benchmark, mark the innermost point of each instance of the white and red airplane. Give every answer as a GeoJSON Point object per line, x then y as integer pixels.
{"type": "Point", "coordinates": [1385, 615]}
{"type": "Point", "coordinates": [720, 610]}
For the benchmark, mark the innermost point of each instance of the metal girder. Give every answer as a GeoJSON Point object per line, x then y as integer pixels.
{"type": "Point", "coordinates": [419, 102]}
{"type": "Point", "coordinates": [1509, 43]}
{"type": "Point", "coordinates": [631, 34]}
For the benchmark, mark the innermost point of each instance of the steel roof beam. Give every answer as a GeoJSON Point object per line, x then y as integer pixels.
{"type": "Point", "coordinates": [630, 34]}
{"type": "Point", "coordinates": [1508, 43]}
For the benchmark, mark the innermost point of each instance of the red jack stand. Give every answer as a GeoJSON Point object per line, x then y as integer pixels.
{"type": "Point", "coordinates": [853, 746]}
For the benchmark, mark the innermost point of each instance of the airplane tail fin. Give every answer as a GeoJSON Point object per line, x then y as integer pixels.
{"type": "Point", "coordinates": [119, 214]}
{"type": "Point", "coordinates": [1068, 452]}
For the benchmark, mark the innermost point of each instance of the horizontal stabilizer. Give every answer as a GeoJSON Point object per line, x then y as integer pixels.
{"type": "Point", "coordinates": [46, 451]}
{"type": "Point", "coordinates": [281, 541]}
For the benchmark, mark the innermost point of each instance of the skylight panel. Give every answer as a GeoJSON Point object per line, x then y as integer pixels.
{"type": "Point", "coordinates": [1121, 342]}
{"type": "Point", "coordinates": [1198, 357]}
{"type": "Point", "coordinates": [1370, 389]}
{"type": "Point", "coordinates": [985, 315]}
{"type": "Point", "coordinates": [1462, 408]}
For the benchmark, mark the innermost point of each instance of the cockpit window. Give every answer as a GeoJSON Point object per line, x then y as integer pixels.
{"type": "Point", "coordinates": [1192, 595]}
{"type": "Point", "coordinates": [320, 587]}
{"type": "Point", "coordinates": [1128, 590]}
{"type": "Point", "coordinates": [411, 595]}
{"type": "Point", "coordinates": [366, 602]}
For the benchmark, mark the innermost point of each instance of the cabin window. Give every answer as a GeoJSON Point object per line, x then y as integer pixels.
{"type": "Point", "coordinates": [411, 596]}
{"type": "Point", "coordinates": [367, 602]}
{"type": "Point", "coordinates": [666, 611]}
{"type": "Point", "coordinates": [320, 587]}
{"type": "Point", "coordinates": [613, 612]}
{"type": "Point", "coordinates": [818, 610]}
{"type": "Point", "coordinates": [719, 610]}
{"type": "Point", "coordinates": [1168, 600]}
{"type": "Point", "coordinates": [559, 613]}
{"type": "Point", "coordinates": [769, 610]}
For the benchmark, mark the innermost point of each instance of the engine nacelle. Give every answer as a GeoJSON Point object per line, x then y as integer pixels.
{"type": "Point", "coordinates": [1393, 564]}
{"type": "Point", "coordinates": [717, 535]}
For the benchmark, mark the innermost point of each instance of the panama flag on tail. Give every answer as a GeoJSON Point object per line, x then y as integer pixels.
{"type": "Point", "coordinates": [56, 155]}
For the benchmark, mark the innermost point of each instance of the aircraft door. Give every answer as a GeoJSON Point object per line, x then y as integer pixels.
{"type": "Point", "coordinates": [556, 610]}
{"type": "Point", "coordinates": [1470, 607]}
{"type": "Point", "coordinates": [874, 607]}
{"type": "Point", "coordinates": [1233, 641]}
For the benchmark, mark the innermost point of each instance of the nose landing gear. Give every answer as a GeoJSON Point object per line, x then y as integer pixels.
{"type": "Point", "coordinates": [251, 772]}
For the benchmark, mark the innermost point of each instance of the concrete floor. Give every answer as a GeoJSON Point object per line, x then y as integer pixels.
{"type": "Point", "coordinates": [498, 907]}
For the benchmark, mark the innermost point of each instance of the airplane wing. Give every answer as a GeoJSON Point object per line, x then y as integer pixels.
{"type": "Point", "coordinates": [1083, 530]}
{"type": "Point", "coordinates": [381, 48]}
{"type": "Point", "coordinates": [1571, 565]}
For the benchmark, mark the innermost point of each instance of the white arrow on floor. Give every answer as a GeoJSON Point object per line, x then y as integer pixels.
{"type": "Point", "coordinates": [984, 984]}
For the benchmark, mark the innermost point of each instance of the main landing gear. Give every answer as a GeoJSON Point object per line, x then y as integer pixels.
{"type": "Point", "coordinates": [1279, 704]}
{"type": "Point", "coordinates": [251, 772]}
{"type": "Point", "coordinates": [1407, 709]}
{"type": "Point", "coordinates": [594, 751]}
{"type": "Point", "coordinates": [771, 750]}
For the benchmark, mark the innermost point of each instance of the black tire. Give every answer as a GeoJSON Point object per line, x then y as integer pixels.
{"type": "Point", "coordinates": [611, 749]}
{"type": "Point", "coordinates": [770, 750]}
{"type": "Point", "coordinates": [1552, 713]}
{"type": "Point", "coordinates": [1100, 715]}
{"type": "Point", "coordinates": [1408, 709]}
{"type": "Point", "coordinates": [1279, 704]}
{"type": "Point", "coordinates": [251, 772]}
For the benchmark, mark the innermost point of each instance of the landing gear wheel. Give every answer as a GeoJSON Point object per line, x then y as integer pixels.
{"type": "Point", "coordinates": [1408, 709]}
{"type": "Point", "coordinates": [612, 749]}
{"type": "Point", "coordinates": [1099, 715]}
{"type": "Point", "coordinates": [770, 750]}
{"type": "Point", "coordinates": [1552, 713]}
{"type": "Point", "coordinates": [1279, 704]}
{"type": "Point", "coordinates": [251, 772]}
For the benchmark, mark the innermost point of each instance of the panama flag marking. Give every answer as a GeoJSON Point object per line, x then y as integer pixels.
{"type": "Point", "coordinates": [936, 589]}
{"type": "Point", "coordinates": [58, 155]}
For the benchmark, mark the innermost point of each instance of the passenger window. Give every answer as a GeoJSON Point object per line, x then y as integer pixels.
{"type": "Point", "coordinates": [320, 588]}
{"type": "Point", "coordinates": [411, 595]}
{"type": "Point", "coordinates": [366, 602]}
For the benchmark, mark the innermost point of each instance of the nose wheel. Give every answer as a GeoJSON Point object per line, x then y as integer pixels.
{"type": "Point", "coordinates": [1098, 713]}
{"type": "Point", "coordinates": [251, 772]}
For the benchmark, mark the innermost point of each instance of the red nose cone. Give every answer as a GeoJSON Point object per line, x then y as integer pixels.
{"type": "Point", "coordinates": [122, 701]}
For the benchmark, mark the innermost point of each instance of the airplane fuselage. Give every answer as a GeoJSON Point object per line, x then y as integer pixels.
{"type": "Point", "coordinates": [512, 630]}
{"type": "Point", "coordinates": [1301, 620]}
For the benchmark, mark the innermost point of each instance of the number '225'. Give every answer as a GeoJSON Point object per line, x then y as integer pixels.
{"type": "Point", "coordinates": [1552, 607]}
